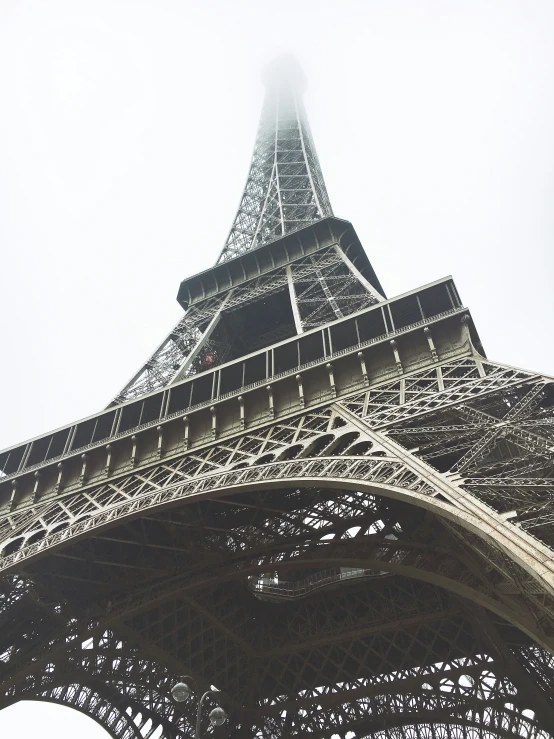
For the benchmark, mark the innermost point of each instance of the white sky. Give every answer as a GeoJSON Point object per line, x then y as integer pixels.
{"type": "Point", "coordinates": [126, 129]}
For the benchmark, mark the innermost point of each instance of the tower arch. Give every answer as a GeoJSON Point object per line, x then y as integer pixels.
{"type": "Point", "coordinates": [327, 503]}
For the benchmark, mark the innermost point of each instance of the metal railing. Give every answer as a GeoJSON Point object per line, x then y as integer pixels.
{"type": "Point", "coordinates": [270, 588]}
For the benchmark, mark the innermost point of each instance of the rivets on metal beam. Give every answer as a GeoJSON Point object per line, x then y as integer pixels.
{"type": "Point", "coordinates": [58, 484]}
{"type": "Point", "coordinates": [186, 434]}
{"type": "Point", "coordinates": [82, 476]}
{"type": "Point", "coordinates": [363, 368]}
{"type": "Point", "coordinates": [332, 379]}
{"type": "Point", "coordinates": [399, 366]}
{"type": "Point", "coordinates": [241, 411]}
{"type": "Point", "coordinates": [466, 335]}
{"type": "Point", "coordinates": [270, 401]}
{"type": "Point", "coordinates": [35, 486]}
{"type": "Point", "coordinates": [108, 466]}
{"type": "Point", "coordinates": [300, 391]}
{"type": "Point", "coordinates": [432, 349]}
{"type": "Point", "coordinates": [13, 497]}
{"type": "Point", "coordinates": [214, 421]}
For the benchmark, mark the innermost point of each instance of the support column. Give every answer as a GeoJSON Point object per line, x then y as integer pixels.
{"type": "Point", "coordinates": [529, 692]}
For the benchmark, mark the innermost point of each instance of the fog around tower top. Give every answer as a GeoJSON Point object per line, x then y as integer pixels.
{"type": "Point", "coordinates": [284, 71]}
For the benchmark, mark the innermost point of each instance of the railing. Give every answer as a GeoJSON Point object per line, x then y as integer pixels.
{"type": "Point", "coordinates": [268, 588]}
{"type": "Point", "coordinates": [225, 396]}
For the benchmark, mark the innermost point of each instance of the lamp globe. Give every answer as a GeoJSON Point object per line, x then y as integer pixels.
{"type": "Point", "coordinates": [180, 692]}
{"type": "Point", "coordinates": [218, 716]}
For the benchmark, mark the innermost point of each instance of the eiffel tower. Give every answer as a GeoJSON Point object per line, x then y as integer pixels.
{"type": "Point", "coordinates": [327, 503]}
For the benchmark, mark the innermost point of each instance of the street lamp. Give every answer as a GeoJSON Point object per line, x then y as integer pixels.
{"type": "Point", "coordinates": [182, 691]}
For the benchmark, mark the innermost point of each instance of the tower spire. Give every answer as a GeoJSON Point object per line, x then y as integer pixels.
{"type": "Point", "coordinates": [285, 189]}
{"type": "Point", "coordinates": [284, 193]}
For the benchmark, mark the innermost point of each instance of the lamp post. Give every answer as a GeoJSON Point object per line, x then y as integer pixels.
{"type": "Point", "coordinates": [182, 691]}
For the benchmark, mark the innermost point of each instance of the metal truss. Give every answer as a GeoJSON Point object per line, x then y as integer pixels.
{"type": "Point", "coordinates": [267, 548]}
{"type": "Point", "coordinates": [167, 360]}
{"type": "Point", "coordinates": [284, 190]}
{"type": "Point", "coordinates": [322, 287]}
{"type": "Point", "coordinates": [127, 719]}
{"type": "Point", "coordinates": [464, 692]}
{"type": "Point", "coordinates": [326, 288]}
{"type": "Point", "coordinates": [360, 546]}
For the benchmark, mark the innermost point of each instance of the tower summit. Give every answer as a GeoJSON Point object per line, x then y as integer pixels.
{"type": "Point", "coordinates": [325, 502]}
{"type": "Point", "coordinates": [284, 193]}
{"type": "Point", "coordinates": [285, 189]}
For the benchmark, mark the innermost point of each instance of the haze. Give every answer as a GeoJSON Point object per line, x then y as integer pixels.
{"type": "Point", "coordinates": [125, 137]}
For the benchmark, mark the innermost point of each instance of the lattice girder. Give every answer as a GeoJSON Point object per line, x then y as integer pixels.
{"type": "Point", "coordinates": [413, 689]}
{"type": "Point", "coordinates": [285, 189]}
{"type": "Point", "coordinates": [386, 472]}
{"type": "Point", "coordinates": [339, 512]}
{"type": "Point", "coordinates": [287, 438]}
{"type": "Point", "coordinates": [329, 435]}
{"type": "Point", "coordinates": [321, 270]}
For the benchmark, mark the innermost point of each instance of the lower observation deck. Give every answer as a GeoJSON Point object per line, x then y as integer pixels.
{"type": "Point", "coordinates": [363, 349]}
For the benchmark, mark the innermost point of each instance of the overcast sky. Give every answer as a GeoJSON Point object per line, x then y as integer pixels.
{"type": "Point", "coordinates": [126, 130]}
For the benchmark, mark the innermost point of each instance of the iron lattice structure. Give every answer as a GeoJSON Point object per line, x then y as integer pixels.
{"type": "Point", "coordinates": [329, 504]}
